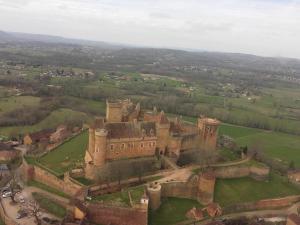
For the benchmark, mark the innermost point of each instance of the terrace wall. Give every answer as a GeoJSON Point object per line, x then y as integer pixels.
{"type": "Point", "coordinates": [263, 204]}
{"type": "Point", "coordinates": [179, 189]}
{"type": "Point", "coordinates": [67, 185]}
{"type": "Point", "coordinates": [104, 214]}
{"type": "Point", "coordinates": [237, 171]}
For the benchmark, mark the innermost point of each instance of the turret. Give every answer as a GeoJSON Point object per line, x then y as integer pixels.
{"type": "Point", "coordinates": [206, 187]}
{"type": "Point", "coordinates": [91, 148]}
{"type": "Point", "coordinates": [208, 129]}
{"type": "Point", "coordinates": [154, 194]}
{"type": "Point", "coordinates": [113, 111]}
{"type": "Point", "coordinates": [100, 147]}
{"type": "Point", "coordinates": [163, 132]}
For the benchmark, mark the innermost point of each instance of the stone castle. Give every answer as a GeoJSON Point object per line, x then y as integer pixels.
{"type": "Point", "coordinates": [129, 132]}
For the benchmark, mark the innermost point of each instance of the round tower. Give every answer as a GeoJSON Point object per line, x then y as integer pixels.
{"type": "Point", "coordinates": [206, 187]}
{"type": "Point", "coordinates": [100, 147]}
{"type": "Point", "coordinates": [154, 194]}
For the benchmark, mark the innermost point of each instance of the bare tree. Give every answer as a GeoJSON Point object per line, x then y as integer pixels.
{"type": "Point", "coordinates": [14, 186]}
{"type": "Point", "coordinates": [34, 210]}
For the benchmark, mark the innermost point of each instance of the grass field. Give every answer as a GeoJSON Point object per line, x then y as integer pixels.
{"type": "Point", "coordinates": [56, 118]}
{"type": "Point", "coordinates": [171, 211]}
{"type": "Point", "coordinates": [231, 191]}
{"type": "Point", "coordinates": [47, 188]}
{"type": "Point", "coordinates": [122, 198]}
{"type": "Point", "coordinates": [15, 102]}
{"type": "Point", "coordinates": [50, 205]}
{"type": "Point", "coordinates": [280, 146]}
{"type": "Point", "coordinates": [67, 155]}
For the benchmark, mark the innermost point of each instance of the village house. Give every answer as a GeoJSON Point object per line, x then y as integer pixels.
{"type": "Point", "coordinates": [42, 136]}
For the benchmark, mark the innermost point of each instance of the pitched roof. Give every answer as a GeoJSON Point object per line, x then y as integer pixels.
{"type": "Point", "coordinates": [130, 129]}
{"type": "Point", "coordinates": [162, 119]}
{"type": "Point", "coordinates": [43, 134]}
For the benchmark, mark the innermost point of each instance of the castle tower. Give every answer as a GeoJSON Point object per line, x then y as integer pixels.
{"type": "Point", "coordinates": [99, 154]}
{"type": "Point", "coordinates": [208, 129]}
{"type": "Point", "coordinates": [206, 187]}
{"type": "Point", "coordinates": [114, 111]}
{"type": "Point", "coordinates": [91, 147]}
{"type": "Point", "coordinates": [163, 132]}
{"type": "Point", "coordinates": [154, 194]}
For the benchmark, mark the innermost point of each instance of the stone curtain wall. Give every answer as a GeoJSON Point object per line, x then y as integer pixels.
{"type": "Point", "coordinates": [258, 173]}
{"type": "Point", "coordinates": [103, 214]}
{"type": "Point", "coordinates": [179, 189]}
{"type": "Point", "coordinates": [263, 204]}
{"type": "Point", "coordinates": [65, 185]}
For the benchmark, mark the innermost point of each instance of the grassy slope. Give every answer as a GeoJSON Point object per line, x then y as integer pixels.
{"type": "Point", "coordinates": [231, 191]}
{"type": "Point", "coordinates": [284, 147]}
{"type": "Point", "coordinates": [54, 119]}
{"type": "Point", "coordinates": [171, 211]}
{"type": "Point", "coordinates": [15, 102]}
{"type": "Point", "coordinates": [49, 205]}
{"type": "Point", "coordinates": [66, 155]}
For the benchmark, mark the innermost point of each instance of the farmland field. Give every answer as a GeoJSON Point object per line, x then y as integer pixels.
{"type": "Point", "coordinates": [56, 118]}
{"type": "Point", "coordinates": [280, 146]}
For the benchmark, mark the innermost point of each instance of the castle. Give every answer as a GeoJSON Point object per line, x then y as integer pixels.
{"type": "Point", "coordinates": [129, 132]}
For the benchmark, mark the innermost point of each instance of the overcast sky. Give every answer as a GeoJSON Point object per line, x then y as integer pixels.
{"type": "Point", "coordinates": [262, 27]}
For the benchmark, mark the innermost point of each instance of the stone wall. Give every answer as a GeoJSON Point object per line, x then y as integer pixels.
{"type": "Point", "coordinates": [179, 189]}
{"type": "Point", "coordinates": [104, 214]}
{"type": "Point", "coordinates": [263, 204]}
{"type": "Point", "coordinates": [130, 148]}
{"type": "Point", "coordinates": [237, 171]}
{"type": "Point", "coordinates": [67, 185]}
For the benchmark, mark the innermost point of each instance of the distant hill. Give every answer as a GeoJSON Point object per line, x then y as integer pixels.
{"type": "Point", "coordinates": [26, 37]}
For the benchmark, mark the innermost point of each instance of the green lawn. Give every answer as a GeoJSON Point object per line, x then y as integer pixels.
{"type": "Point", "coordinates": [56, 118]}
{"type": "Point", "coordinates": [171, 211]}
{"type": "Point", "coordinates": [67, 155]}
{"type": "Point", "coordinates": [240, 190]}
{"type": "Point", "coordinates": [122, 198]}
{"type": "Point", "coordinates": [47, 188]}
{"type": "Point", "coordinates": [237, 131]}
{"type": "Point", "coordinates": [50, 205]}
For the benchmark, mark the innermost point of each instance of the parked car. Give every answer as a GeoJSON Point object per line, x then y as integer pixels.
{"type": "Point", "coordinates": [21, 214]}
{"type": "Point", "coordinates": [6, 194]}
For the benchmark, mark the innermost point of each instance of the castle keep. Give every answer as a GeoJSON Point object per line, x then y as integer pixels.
{"type": "Point", "coordinates": [129, 132]}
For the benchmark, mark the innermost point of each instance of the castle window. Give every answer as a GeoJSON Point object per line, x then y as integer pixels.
{"type": "Point", "coordinates": [111, 147]}
{"type": "Point", "coordinates": [142, 145]}
{"type": "Point", "coordinates": [152, 132]}
{"type": "Point", "coordinates": [123, 146]}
